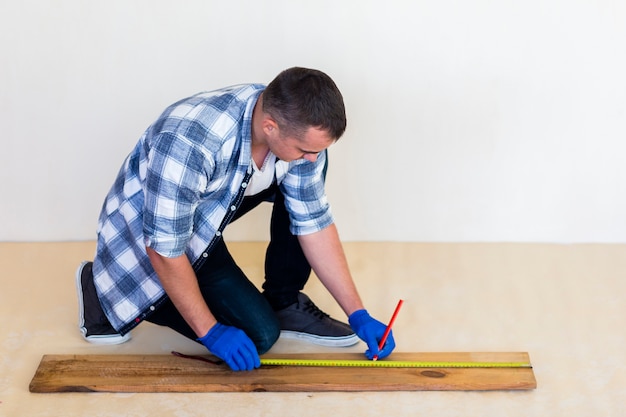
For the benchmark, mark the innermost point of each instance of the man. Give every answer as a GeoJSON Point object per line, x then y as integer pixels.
{"type": "Point", "coordinates": [206, 161]}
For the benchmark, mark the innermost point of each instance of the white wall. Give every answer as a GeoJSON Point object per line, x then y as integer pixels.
{"type": "Point", "coordinates": [468, 120]}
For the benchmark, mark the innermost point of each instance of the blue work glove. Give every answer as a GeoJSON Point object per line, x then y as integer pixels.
{"type": "Point", "coordinates": [371, 331]}
{"type": "Point", "coordinates": [233, 346]}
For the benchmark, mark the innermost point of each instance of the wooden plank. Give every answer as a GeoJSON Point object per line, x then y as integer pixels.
{"type": "Point", "coordinates": [168, 373]}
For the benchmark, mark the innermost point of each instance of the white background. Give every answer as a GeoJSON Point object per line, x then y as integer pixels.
{"type": "Point", "coordinates": [467, 120]}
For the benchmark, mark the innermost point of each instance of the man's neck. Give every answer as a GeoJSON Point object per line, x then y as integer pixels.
{"type": "Point", "coordinates": [259, 147]}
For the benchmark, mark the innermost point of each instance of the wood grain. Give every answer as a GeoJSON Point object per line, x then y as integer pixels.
{"type": "Point", "coordinates": [167, 373]}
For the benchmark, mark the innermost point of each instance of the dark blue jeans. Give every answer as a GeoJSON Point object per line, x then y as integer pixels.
{"type": "Point", "coordinates": [230, 295]}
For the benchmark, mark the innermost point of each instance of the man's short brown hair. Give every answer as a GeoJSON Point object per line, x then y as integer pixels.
{"type": "Point", "coordinates": [300, 98]}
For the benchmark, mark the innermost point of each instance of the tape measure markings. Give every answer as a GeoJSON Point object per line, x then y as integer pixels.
{"type": "Point", "coordinates": [370, 364]}
{"type": "Point", "coordinates": [390, 364]}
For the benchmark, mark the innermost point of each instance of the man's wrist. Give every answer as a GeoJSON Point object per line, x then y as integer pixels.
{"type": "Point", "coordinates": [358, 318]}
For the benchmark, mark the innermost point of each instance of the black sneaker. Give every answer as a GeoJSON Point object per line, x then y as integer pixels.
{"type": "Point", "coordinates": [92, 322]}
{"type": "Point", "coordinates": [305, 321]}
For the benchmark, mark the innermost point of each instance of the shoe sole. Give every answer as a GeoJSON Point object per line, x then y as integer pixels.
{"type": "Point", "coordinates": [95, 339]}
{"type": "Point", "coordinates": [341, 341]}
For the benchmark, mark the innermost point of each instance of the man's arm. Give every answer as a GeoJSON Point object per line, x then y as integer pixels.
{"type": "Point", "coordinates": [228, 343]}
{"type": "Point", "coordinates": [181, 285]}
{"type": "Point", "coordinates": [325, 254]}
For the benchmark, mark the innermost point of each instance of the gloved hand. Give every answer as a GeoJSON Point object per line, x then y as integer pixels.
{"type": "Point", "coordinates": [371, 331]}
{"type": "Point", "coordinates": [233, 346]}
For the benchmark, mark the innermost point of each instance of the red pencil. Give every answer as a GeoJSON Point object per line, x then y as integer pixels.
{"type": "Point", "coordinates": [381, 344]}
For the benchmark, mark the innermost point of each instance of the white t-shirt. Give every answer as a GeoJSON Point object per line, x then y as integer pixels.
{"type": "Point", "coordinates": [262, 177]}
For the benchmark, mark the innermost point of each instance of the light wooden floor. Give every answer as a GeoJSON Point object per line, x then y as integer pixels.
{"type": "Point", "coordinates": [564, 304]}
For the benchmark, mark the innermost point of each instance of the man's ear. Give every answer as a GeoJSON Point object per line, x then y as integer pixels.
{"type": "Point", "coordinates": [269, 125]}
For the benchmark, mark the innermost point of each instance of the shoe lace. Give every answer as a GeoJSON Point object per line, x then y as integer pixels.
{"type": "Point", "coordinates": [311, 308]}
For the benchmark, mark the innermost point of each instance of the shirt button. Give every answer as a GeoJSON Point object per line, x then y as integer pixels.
{"type": "Point", "coordinates": [218, 233]}
{"type": "Point", "coordinates": [152, 308]}
{"type": "Point", "coordinates": [233, 208]}
{"type": "Point", "coordinates": [244, 185]}
{"type": "Point", "coordinates": [204, 255]}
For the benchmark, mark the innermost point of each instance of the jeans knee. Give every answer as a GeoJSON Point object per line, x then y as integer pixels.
{"type": "Point", "coordinates": [267, 341]}
{"type": "Point", "coordinates": [265, 338]}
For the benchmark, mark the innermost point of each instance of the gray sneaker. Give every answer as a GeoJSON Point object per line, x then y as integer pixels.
{"type": "Point", "coordinates": [305, 321]}
{"type": "Point", "coordinates": [92, 322]}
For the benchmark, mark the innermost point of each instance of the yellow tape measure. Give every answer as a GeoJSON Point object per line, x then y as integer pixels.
{"type": "Point", "coordinates": [391, 364]}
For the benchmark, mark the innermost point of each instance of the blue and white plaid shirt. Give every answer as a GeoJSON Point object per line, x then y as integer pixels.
{"type": "Point", "coordinates": [177, 191]}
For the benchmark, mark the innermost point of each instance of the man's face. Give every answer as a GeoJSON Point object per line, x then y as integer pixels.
{"type": "Point", "coordinates": [288, 148]}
